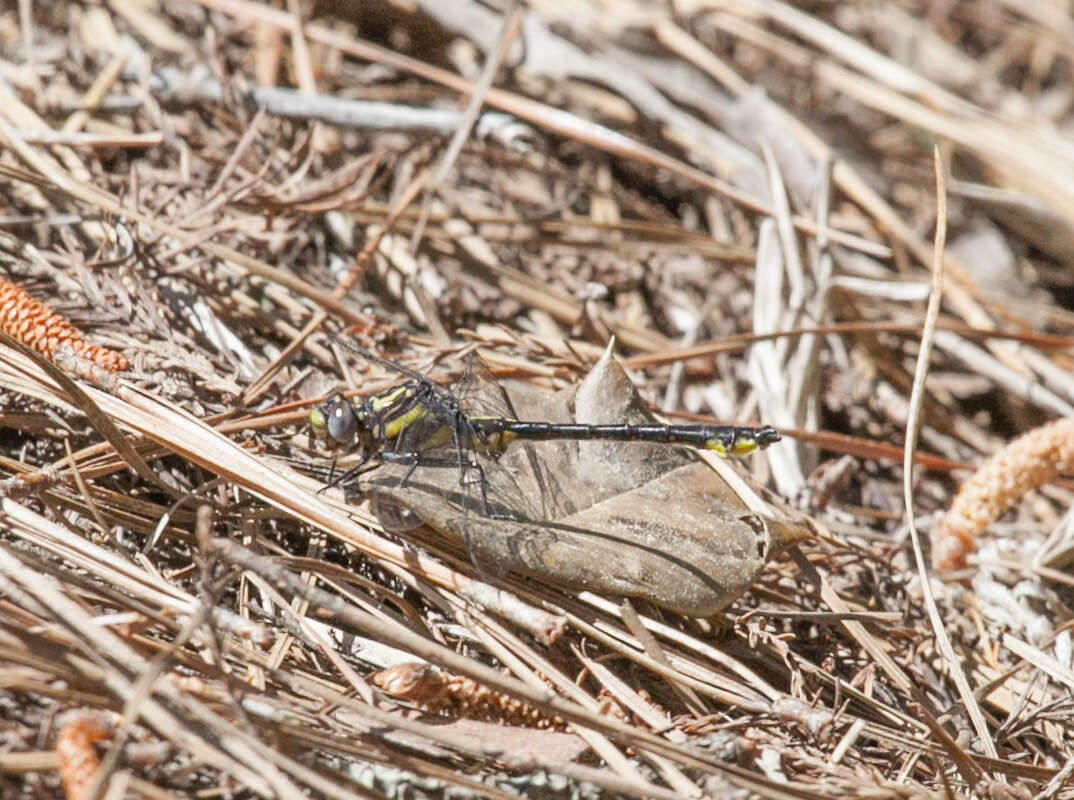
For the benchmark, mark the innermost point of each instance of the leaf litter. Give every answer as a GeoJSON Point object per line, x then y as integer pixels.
{"type": "Point", "coordinates": [614, 186]}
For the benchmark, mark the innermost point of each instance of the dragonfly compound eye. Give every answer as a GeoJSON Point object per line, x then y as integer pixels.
{"type": "Point", "coordinates": [341, 424]}
{"type": "Point", "coordinates": [334, 422]}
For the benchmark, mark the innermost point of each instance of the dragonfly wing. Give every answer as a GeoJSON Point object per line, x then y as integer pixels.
{"type": "Point", "coordinates": [478, 392]}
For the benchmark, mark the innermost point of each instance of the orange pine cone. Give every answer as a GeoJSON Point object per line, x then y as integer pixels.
{"type": "Point", "coordinates": [78, 761]}
{"type": "Point", "coordinates": [438, 692]}
{"type": "Point", "coordinates": [37, 326]}
{"type": "Point", "coordinates": [1022, 466]}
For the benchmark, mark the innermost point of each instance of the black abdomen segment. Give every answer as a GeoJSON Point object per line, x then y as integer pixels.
{"type": "Point", "coordinates": [725, 439]}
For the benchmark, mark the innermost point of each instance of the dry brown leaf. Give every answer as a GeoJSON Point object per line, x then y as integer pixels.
{"type": "Point", "coordinates": [639, 520]}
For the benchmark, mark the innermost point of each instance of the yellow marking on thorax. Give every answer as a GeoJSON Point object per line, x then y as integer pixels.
{"type": "Point", "coordinates": [381, 405]}
{"type": "Point", "coordinates": [394, 427]}
{"type": "Point", "coordinates": [383, 400]}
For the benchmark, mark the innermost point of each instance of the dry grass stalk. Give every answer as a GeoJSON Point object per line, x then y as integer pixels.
{"type": "Point", "coordinates": [1024, 465]}
{"type": "Point", "coordinates": [39, 327]}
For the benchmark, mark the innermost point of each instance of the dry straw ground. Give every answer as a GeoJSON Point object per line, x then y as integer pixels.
{"type": "Point", "coordinates": [741, 196]}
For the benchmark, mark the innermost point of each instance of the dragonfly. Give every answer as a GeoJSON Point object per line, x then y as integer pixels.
{"type": "Point", "coordinates": [601, 507]}
{"type": "Point", "coordinates": [419, 423]}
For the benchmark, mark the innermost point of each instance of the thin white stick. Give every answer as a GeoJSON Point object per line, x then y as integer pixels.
{"type": "Point", "coordinates": [913, 427]}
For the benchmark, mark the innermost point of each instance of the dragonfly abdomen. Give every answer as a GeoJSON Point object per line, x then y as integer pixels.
{"type": "Point", "coordinates": [725, 440]}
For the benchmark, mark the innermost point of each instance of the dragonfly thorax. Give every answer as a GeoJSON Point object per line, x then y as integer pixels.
{"type": "Point", "coordinates": [405, 417]}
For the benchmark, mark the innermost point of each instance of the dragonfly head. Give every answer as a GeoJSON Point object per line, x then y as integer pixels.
{"type": "Point", "coordinates": [337, 424]}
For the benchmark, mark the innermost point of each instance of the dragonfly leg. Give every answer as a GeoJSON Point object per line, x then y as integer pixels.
{"type": "Point", "coordinates": [409, 472]}
{"type": "Point", "coordinates": [336, 480]}
{"type": "Point", "coordinates": [476, 475]}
